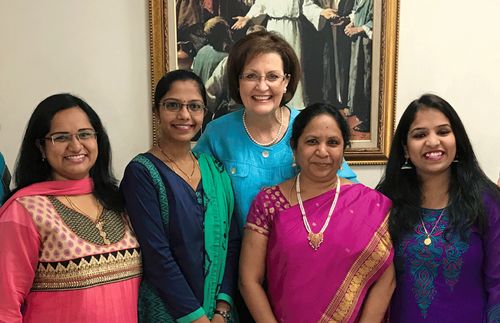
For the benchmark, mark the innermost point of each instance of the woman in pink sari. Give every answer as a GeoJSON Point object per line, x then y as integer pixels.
{"type": "Point", "coordinates": [67, 251]}
{"type": "Point", "coordinates": [321, 242]}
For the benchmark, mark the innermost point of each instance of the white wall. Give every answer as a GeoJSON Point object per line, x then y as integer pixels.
{"type": "Point", "coordinates": [99, 51]}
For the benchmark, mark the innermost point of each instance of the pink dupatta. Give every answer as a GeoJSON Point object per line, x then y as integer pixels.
{"type": "Point", "coordinates": [328, 284]}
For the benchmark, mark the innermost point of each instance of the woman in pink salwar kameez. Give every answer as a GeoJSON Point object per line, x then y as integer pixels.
{"type": "Point", "coordinates": [321, 242]}
{"type": "Point", "coordinates": [67, 252]}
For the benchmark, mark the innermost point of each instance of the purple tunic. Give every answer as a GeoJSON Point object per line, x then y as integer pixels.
{"type": "Point", "coordinates": [448, 281]}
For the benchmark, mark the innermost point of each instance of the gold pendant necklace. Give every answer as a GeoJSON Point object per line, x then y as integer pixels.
{"type": "Point", "coordinates": [189, 177]}
{"type": "Point", "coordinates": [428, 240]}
{"type": "Point", "coordinates": [99, 223]}
{"type": "Point", "coordinates": [315, 239]}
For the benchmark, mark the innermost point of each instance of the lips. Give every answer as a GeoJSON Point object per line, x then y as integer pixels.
{"type": "Point", "coordinates": [183, 126]}
{"type": "Point", "coordinates": [434, 155]}
{"type": "Point", "coordinates": [261, 97]}
{"type": "Point", "coordinates": [76, 158]}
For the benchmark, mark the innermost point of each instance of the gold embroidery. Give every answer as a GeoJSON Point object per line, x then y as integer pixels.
{"type": "Point", "coordinates": [88, 271]}
{"type": "Point", "coordinates": [368, 263]}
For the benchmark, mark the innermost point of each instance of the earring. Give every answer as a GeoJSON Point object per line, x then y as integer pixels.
{"type": "Point", "coordinates": [294, 164]}
{"type": "Point", "coordinates": [456, 159]}
{"type": "Point", "coordinates": [406, 165]}
{"type": "Point", "coordinates": [284, 90]}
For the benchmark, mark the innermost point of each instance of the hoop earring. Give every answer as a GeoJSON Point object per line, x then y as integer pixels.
{"type": "Point", "coordinates": [406, 165]}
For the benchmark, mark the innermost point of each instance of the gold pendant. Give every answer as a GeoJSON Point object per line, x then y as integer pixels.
{"type": "Point", "coordinates": [315, 239]}
{"type": "Point", "coordinates": [102, 233]}
{"type": "Point", "coordinates": [427, 241]}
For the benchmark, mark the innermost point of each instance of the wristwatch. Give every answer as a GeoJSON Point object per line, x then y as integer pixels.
{"type": "Point", "coordinates": [225, 314]}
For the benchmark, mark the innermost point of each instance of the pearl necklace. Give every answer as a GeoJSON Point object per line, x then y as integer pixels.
{"type": "Point", "coordinates": [315, 239]}
{"type": "Point", "coordinates": [275, 139]}
{"type": "Point", "coordinates": [428, 241]}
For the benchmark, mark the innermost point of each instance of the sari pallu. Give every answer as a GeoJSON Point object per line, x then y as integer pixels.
{"type": "Point", "coordinates": [328, 284]}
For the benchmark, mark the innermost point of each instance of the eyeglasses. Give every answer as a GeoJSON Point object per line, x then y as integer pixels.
{"type": "Point", "coordinates": [174, 106]}
{"type": "Point", "coordinates": [66, 137]}
{"type": "Point", "coordinates": [271, 78]}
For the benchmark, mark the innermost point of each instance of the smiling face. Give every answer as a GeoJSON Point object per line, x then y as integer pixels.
{"type": "Point", "coordinates": [70, 160]}
{"type": "Point", "coordinates": [431, 144]}
{"type": "Point", "coordinates": [181, 126]}
{"type": "Point", "coordinates": [320, 149]}
{"type": "Point", "coordinates": [261, 96]}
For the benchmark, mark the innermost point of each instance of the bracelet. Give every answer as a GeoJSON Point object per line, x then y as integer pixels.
{"type": "Point", "coordinates": [225, 314]}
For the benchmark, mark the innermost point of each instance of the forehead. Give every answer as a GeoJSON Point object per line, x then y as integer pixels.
{"type": "Point", "coordinates": [271, 60]}
{"type": "Point", "coordinates": [323, 124]}
{"type": "Point", "coordinates": [70, 119]}
{"type": "Point", "coordinates": [184, 89]}
{"type": "Point", "coordinates": [429, 118]}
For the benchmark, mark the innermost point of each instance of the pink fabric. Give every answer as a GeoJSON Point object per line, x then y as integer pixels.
{"type": "Point", "coordinates": [21, 247]}
{"type": "Point", "coordinates": [305, 285]}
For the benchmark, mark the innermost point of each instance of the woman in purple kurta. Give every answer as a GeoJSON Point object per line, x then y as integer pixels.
{"type": "Point", "coordinates": [445, 222]}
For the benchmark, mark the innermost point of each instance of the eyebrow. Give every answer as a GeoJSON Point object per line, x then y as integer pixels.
{"type": "Point", "coordinates": [424, 128]}
{"type": "Point", "coordinates": [66, 132]}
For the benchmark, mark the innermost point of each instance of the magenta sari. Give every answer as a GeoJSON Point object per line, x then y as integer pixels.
{"type": "Point", "coordinates": [328, 284]}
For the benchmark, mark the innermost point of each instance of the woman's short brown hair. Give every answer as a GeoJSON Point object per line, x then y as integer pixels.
{"type": "Point", "coordinates": [257, 43]}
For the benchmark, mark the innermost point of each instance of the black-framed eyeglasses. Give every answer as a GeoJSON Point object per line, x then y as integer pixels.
{"type": "Point", "coordinates": [66, 137]}
{"type": "Point", "coordinates": [271, 78]}
{"type": "Point", "coordinates": [174, 106]}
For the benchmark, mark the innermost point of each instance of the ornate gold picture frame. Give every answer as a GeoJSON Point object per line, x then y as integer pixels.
{"type": "Point", "coordinates": [370, 149]}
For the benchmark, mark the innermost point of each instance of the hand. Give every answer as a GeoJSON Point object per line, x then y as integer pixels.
{"type": "Point", "coordinates": [240, 22]}
{"type": "Point", "coordinates": [351, 30]}
{"type": "Point", "coordinates": [328, 13]}
{"type": "Point", "coordinates": [218, 319]}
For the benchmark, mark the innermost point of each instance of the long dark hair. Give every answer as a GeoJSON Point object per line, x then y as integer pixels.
{"type": "Point", "coordinates": [31, 169]}
{"type": "Point", "coordinates": [468, 183]}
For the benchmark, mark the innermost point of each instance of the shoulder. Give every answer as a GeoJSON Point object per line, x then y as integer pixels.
{"type": "Point", "coordinates": [228, 120]}
{"type": "Point", "coordinates": [491, 202]}
{"type": "Point", "coordinates": [293, 114]}
{"type": "Point", "coordinates": [365, 194]}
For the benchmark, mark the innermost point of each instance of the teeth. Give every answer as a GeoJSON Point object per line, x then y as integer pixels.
{"type": "Point", "coordinates": [75, 157]}
{"type": "Point", "coordinates": [262, 97]}
{"type": "Point", "coordinates": [434, 154]}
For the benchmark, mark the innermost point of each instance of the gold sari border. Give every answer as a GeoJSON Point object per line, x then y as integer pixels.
{"type": "Point", "coordinates": [375, 255]}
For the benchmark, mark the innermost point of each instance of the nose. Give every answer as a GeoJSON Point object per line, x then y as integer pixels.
{"type": "Point", "coordinates": [75, 143]}
{"type": "Point", "coordinates": [183, 113]}
{"type": "Point", "coordinates": [433, 140]}
{"type": "Point", "coordinates": [321, 151]}
{"type": "Point", "coordinates": [262, 83]}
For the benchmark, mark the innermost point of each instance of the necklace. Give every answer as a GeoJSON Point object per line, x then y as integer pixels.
{"type": "Point", "coordinates": [189, 177]}
{"type": "Point", "coordinates": [99, 223]}
{"type": "Point", "coordinates": [428, 241]}
{"type": "Point", "coordinates": [275, 139]}
{"type": "Point", "coordinates": [315, 239]}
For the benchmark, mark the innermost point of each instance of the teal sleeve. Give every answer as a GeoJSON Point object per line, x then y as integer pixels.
{"type": "Point", "coordinates": [346, 172]}
{"type": "Point", "coordinates": [192, 316]}
{"type": "Point", "coordinates": [226, 298]}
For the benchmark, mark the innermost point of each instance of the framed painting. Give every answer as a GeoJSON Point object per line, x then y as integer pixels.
{"type": "Point", "coordinates": [347, 48]}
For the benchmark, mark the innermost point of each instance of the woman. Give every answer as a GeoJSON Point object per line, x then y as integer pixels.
{"type": "Point", "coordinates": [320, 241]}
{"type": "Point", "coordinates": [445, 222]}
{"type": "Point", "coordinates": [181, 207]}
{"type": "Point", "coordinates": [68, 253]}
{"type": "Point", "coordinates": [254, 142]}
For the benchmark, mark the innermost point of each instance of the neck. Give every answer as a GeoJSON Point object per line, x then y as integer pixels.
{"type": "Point", "coordinates": [435, 191]}
{"type": "Point", "coordinates": [264, 123]}
{"type": "Point", "coordinates": [175, 150]}
{"type": "Point", "coordinates": [310, 188]}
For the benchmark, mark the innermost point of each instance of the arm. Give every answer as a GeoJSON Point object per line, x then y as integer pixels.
{"type": "Point", "coordinates": [252, 271]}
{"type": "Point", "coordinates": [257, 9]}
{"type": "Point", "coordinates": [491, 243]}
{"type": "Point", "coordinates": [19, 245]}
{"type": "Point", "coordinates": [378, 297]}
{"type": "Point", "coordinates": [160, 267]}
